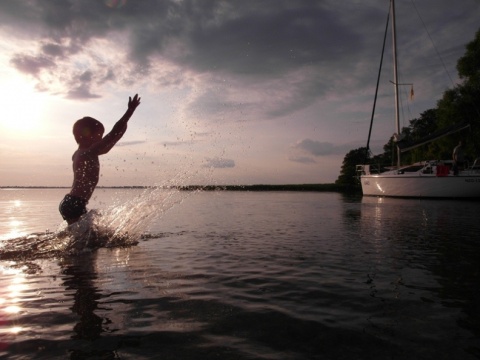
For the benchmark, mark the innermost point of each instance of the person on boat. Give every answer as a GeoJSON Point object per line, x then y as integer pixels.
{"type": "Point", "coordinates": [88, 133]}
{"type": "Point", "coordinates": [458, 158]}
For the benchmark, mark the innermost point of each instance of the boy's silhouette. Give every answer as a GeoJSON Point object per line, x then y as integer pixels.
{"type": "Point", "coordinates": [88, 133]}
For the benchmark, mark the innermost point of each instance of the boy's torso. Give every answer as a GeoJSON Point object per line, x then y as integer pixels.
{"type": "Point", "coordinates": [86, 170]}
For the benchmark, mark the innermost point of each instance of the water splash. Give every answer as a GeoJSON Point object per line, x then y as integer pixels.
{"type": "Point", "coordinates": [121, 224]}
{"type": "Point", "coordinates": [133, 217]}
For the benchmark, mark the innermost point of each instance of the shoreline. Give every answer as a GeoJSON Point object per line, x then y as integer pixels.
{"type": "Point", "coordinates": [256, 187]}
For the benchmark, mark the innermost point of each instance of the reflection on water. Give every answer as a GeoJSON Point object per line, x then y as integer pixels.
{"type": "Point", "coordinates": [13, 285]}
{"type": "Point", "coordinates": [79, 276]}
{"type": "Point", "coordinates": [433, 247]}
{"type": "Point", "coordinates": [12, 224]}
{"type": "Point", "coordinates": [238, 275]}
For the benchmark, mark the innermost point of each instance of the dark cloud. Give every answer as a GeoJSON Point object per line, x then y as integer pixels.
{"type": "Point", "coordinates": [315, 148]}
{"type": "Point", "coordinates": [297, 50]}
{"type": "Point", "coordinates": [80, 86]}
{"type": "Point", "coordinates": [268, 42]}
{"type": "Point", "coordinates": [219, 163]}
{"type": "Point", "coordinates": [31, 65]}
{"type": "Point", "coordinates": [81, 92]}
{"type": "Point", "coordinates": [53, 50]}
{"type": "Point", "coordinates": [247, 37]}
{"type": "Point", "coordinates": [214, 103]}
{"type": "Point", "coordinates": [13, 13]}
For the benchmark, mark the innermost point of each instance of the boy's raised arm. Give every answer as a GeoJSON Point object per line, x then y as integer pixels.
{"type": "Point", "coordinates": [104, 145]}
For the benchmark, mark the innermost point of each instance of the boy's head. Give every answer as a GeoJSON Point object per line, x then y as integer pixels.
{"type": "Point", "coordinates": [86, 128]}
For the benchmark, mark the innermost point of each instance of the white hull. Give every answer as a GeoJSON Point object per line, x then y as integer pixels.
{"type": "Point", "coordinates": [421, 185]}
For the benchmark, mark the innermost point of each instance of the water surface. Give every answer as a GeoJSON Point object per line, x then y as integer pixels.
{"type": "Point", "coordinates": [244, 275]}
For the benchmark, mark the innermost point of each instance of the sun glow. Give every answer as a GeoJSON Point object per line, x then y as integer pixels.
{"type": "Point", "coordinates": [22, 106]}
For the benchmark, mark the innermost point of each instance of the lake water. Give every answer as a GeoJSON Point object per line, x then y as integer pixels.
{"type": "Point", "coordinates": [241, 275]}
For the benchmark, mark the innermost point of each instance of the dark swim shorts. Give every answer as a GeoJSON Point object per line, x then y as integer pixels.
{"type": "Point", "coordinates": [72, 207]}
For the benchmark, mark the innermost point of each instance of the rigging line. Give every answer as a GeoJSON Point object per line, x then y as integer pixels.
{"type": "Point", "coordinates": [441, 59]}
{"type": "Point", "coordinates": [405, 109]}
{"type": "Point", "coordinates": [402, 106]}
{"type": "Point", "coordinates": [405, 106]}
{"type": "Point", "coordinates": [378, 82]}
{"type": "Point", "coordinates": [431, 40]}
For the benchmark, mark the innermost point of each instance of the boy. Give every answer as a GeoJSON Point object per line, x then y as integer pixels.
{"type": "Point", "coordinates": [88, 133]}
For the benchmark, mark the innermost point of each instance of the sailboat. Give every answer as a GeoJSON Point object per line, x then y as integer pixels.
{"type": "Point", "coordinates": [426, 179]}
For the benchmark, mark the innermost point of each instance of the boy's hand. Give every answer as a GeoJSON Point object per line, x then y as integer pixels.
{"type": "Point", "coordinates": [132, 104]}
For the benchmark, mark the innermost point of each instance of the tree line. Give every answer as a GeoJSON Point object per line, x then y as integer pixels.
{"type": "Point", "coordinates": [457, 105]}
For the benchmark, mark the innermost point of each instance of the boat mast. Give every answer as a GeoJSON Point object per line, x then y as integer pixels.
{"type": "Point", "coordinates": [395, 77]}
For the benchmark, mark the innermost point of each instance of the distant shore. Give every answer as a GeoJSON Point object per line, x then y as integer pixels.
{"type": "Point", "coordinates": [259, 187]}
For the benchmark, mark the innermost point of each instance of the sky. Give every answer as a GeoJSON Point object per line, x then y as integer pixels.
{"type": "Point", "coordinates": [233, 92]}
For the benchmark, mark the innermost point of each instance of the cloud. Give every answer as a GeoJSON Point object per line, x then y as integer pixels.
{"type": "Point", "coordinates": [261, 40]}
{"type": "Point", "coordinates": [305, 151]}
{"type": "Point", "coordinates": [31, 65]}
{"type": "Point", "coordinates": [196, 138]}
{"type": "Point", "coordinates": [315, 148]}
{"type": "Point", "coordinates": [267, 59]}
{"type": "Point", "coordinates": [219, 163]}
{"type": "Point", "coordinates": [81, 86]}
{"type": "Point", "coordinates": [81, 92]}
{"type": "Point", "coordinates": [173, 143]}
{"type": "Point", "coordinates": [302, 160]}
{"type": "Point", "coordinates": [130, 143]}
{"type": "Point", "coordinates": [265, 38]}
{"type": "Point", "coordinates": [53, 50]}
